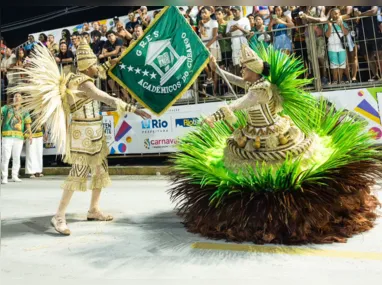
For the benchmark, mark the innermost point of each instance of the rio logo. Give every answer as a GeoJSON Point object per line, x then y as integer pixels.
{"type": "Point", "coordinates": [154, 124]}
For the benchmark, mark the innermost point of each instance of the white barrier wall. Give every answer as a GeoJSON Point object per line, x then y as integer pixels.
{"type": "Point", "coordinates": [364, 102]}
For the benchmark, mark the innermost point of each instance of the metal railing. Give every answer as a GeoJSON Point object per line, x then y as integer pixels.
{"type": "Point", "coordinates": [310, 50]}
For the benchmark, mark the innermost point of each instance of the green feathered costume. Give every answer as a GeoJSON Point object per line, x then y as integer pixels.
{"type": "Point", "coordinates": [279, 166]}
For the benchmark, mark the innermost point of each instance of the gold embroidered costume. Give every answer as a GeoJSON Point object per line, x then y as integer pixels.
{"type": "Point", "coordinates": [268, 136]}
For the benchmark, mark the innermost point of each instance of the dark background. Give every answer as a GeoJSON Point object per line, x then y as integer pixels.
{"type": "Point", "coordinates": [13, 14]}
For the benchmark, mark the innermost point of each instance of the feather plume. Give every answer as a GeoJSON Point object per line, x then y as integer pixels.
{"type": "Point", "coordinates": [44, 94]}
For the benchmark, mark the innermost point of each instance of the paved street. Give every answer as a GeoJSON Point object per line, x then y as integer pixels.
{"type": "Point", "coordinates": [147, 240]}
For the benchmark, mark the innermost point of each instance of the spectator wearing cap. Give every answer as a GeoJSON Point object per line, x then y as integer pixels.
{"type": "Point", "coordinates": [52, 45]}
{"type": "Point", "coordinates": [237, 29]}
{"type": "Point", "coordinates": [133, 21]}
{"type": "Point", "coordinates": [115, 21]}
{"type": "Point", "coordinates": [144, 17]}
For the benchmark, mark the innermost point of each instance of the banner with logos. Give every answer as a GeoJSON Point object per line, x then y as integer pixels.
{"type": "Point", "coordinates": [132, 135]}
{"type": "Point", "coordinates": [364, 102]}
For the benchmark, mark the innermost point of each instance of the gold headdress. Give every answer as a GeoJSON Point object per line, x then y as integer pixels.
{"type": "Point", "coordinates": [251, 60]}
{"type": "Point", "coordinates": [85, 56]}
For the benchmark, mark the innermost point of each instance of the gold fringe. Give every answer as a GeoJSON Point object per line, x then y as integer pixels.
{"type": "Point", "coordinates": [75, 184]}
{"type": "Point", "coordinates": [100, 181]}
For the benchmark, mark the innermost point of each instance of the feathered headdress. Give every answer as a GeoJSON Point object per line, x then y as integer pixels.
{"type": "Point", "coordinates": [45, 93]}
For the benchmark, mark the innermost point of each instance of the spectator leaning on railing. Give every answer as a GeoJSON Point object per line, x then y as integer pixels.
{"type": "Point", "coordinates": [225, 44]}
{"type": "Point", "coordinates": [316, 14]}
{"type": "Point", "coordinates": [65, 58]}
{"type": "Point", "coordinates": [258, 30]}
{"type": "Point", "coordinates": [281, 40]}
{"type": "Point", "coordinates": [97, 44]}
{"type": "Point", "coordinates": [335, 30]}
{"type": "Point", "coordinates": [238, 29]}
{"type": "Point", "coordinates": [209, 34]}
{"type": "Point", "coordinates": [112, 49]}
{"type": "Point", "coordinates": [367, 28]}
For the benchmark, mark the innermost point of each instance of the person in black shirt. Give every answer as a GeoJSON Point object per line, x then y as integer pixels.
{"type": "Point", "coordinates": [97, 44]}
{"type": "Point", "coordinates": [65, 58]}
{"type": "Point", "coordinates": [112, 49]}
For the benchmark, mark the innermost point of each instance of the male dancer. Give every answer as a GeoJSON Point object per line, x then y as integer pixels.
{"type": "Point", "coordinates": [85, 146]}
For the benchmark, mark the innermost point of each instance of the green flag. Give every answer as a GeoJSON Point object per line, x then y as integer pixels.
{"type": "Point", "coordinates": [161, 65]}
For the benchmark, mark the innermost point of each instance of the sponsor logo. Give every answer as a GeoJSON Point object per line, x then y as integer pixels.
{"type": "Point", "coordinates": [154, 126]}
{"type": "Point", "coordinates": [186, 122]}
{"type": "Point", "coordinates": [159, 143]}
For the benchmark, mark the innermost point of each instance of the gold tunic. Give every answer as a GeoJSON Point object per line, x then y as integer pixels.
{"type": "Point", "coordinates": [87, 149]}
{"type": "Point", "coordinates": [267, 135]}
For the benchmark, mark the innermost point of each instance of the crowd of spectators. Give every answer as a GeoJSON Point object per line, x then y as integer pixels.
{"type": "Point", "coordinates": [346, 41]}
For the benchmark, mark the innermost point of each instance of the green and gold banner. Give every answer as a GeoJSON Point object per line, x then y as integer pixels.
{"type": "Point", "coordinates": [161, 65]}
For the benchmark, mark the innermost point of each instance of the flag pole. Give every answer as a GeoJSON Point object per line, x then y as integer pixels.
{"type": "Point", "coordinates": [221, 73]}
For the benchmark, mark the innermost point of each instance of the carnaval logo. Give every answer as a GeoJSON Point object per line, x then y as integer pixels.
{"type": "Point", "coordinates": [159, 143]}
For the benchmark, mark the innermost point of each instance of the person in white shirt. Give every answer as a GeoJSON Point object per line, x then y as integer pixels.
{"type": "Point", "coordinates": [209, 35]}
{"type": "Point", "coordinates": [335, 31]}
{"type": "Point", "coordinates": [238, 29]}
{"type": "Point", "coordinates": [7, 65]}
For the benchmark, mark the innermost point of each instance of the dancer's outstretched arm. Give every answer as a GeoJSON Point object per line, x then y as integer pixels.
{"type": "Point", "coordinates": [93, 92]}
{"type": "Point", "coordinates": [235, 80]}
